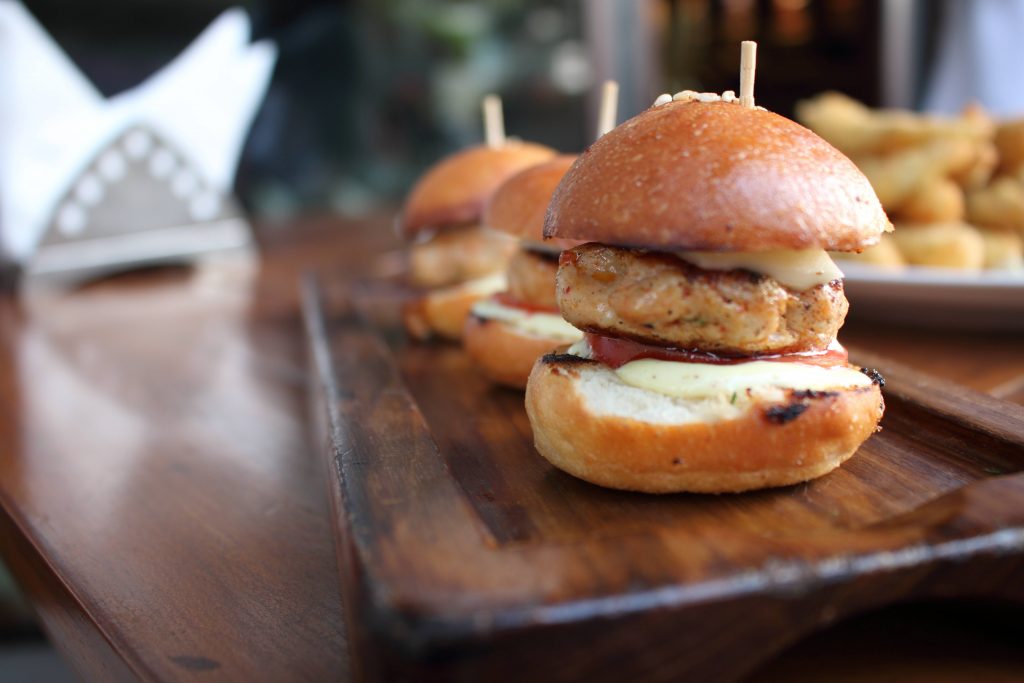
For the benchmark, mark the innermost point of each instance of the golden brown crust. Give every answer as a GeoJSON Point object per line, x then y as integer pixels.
{"type": "Point", "coordinates": [504, 354]}
{"type": "Point", "coordinates": [454, 191]}
{"type": "Point", "coordinates": [941, 245]}
{"type": "Point", "coordinates": [715, 176]}
{"type": "Point", "coordinates": [518, 207]}
{"type": "Point", "coordinates": [1010, 143]}
{"type": "Point", "coordinates": [441, 312]}
{"type": "Point", "coordinates": [756, 450]}
{"type": "Point", "coordinates": [660, 299]}
{"type": "Point", "coordinates": [531, 278]}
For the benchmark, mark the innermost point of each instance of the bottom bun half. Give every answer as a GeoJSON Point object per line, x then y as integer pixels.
{"type": "Point", "coordinates": [589, 423]}
{"type": "Point", "coordinates": [443, 312]}
{"type": "Point", "coordinates": [503, 353]}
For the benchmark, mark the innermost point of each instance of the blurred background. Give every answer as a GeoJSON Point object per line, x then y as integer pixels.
{"type": "Point", "coordinates": [366, 94]}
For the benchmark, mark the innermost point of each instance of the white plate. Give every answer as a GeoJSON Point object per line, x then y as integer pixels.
{"type": "Point", "coordinates": [936, 297]}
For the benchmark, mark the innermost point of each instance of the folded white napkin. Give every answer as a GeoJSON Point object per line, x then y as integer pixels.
{"type": "Point", "coordinates": [53, 121]}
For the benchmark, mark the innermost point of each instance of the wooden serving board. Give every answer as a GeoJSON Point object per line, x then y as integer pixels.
{"type": "Point", "coordinates": [464, 555]}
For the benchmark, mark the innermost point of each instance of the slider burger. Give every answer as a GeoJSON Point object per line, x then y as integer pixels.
{"type": "Point", "coordinates": [710, 361]}
{"type": "Point", "coordinates": [453, 257]}
{"type": "Point", "coordinates": [508, 331]}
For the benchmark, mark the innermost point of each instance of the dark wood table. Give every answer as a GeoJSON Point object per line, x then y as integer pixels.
{"type": "Point", "coordinates": [162, 507]}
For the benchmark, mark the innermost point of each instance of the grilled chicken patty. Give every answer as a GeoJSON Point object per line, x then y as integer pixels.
{"type": "Point", "coordinates": [459, 254]}
{"type": "Point", "coordinates": [531, 277]}
{"type": "Point", "coordinates": [660, 299]}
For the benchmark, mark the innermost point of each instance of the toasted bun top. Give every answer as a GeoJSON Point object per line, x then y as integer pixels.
{"type": "Point", "coordinates": [520, 204]}
{"type": "Point", "coordinates": [454, 191]}
{"type": "Point", "coordinates": [717, 177]}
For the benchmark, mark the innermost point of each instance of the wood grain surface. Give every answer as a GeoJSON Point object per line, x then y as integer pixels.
{"type": "Point", "coordinates": [161, 506]}
{"type": "Point", "coordinates": [463, 551]}
{"type": "Point", "coordinates": [163, 509]}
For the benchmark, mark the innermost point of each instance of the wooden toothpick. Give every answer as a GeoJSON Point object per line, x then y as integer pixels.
{"type": "Point", "coordinates": [748, 64]}
{"type": "Point", "coordinates": [608, 111]}
{"type": "Point", "coordinates": [494, 121]}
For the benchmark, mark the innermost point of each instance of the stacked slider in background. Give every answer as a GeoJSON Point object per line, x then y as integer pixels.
{"type": "Point", "coordinates": [453, 257]}
{"type": "Point", "coordinates": [710, 362]}
{"type": "Point", "coordinates": [952, 185]}
{"type": "Point", "coordinates": [508, 331]}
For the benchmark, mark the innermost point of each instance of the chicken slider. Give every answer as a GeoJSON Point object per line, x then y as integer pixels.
{"type": "Point", "coordinates": [508, 331]}
{"type": "Point", "coordinates": [710, 306]}
{"type": "Point", "coordinates": [455, 258]}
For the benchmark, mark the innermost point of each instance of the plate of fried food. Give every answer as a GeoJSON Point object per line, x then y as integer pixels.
{"type": "Point", "coordinates": [954, 190]}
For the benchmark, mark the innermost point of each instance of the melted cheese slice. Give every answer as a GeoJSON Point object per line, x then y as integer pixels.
{"type": "Point", "coordinates": [799, 270]}
{"type": "Point", "coordinates": [704, 380]}
{"type": "Point", "coordinates": [538, 324]}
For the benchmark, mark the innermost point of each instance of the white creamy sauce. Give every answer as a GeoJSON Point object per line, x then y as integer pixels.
{"type": "Point", "coordinates": [797, 269]}
{"type": "Point", "coordinates": [722, 389]}
{"type": "Point", "coordinates": [705, 380]}
{"type": "Point", "coordinates": [487, 285]}
{"type": "Point", "coordinates": [536, 323]}
{"type": "Point", "coordinates": [581, 349]}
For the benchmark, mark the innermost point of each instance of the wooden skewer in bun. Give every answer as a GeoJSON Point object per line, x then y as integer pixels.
{"type": "Point", "coordinates": [748, 65]}
{"type": "Point", "coordinates": [608, 111]}
{"type": "Point", "coordinates": [494, 121]}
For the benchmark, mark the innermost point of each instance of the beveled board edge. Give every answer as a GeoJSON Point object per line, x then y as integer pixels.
{"type": "Point", "coordinates": [982, 412]}
{"type": "Point", "coordinates": [947, 530]}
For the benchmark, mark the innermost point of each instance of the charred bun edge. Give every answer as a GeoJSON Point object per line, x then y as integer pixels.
{"type": "Point", "coordinates": [770, 444]}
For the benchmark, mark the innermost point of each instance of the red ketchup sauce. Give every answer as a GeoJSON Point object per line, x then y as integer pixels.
{"type": "Point", "coordinates": [616, 352]}
{"type": "Point", "coordinates": [506, 299]}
